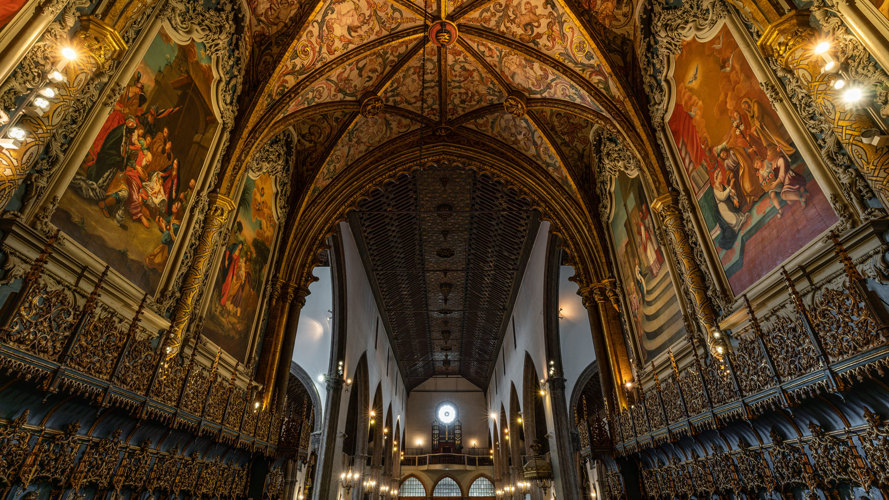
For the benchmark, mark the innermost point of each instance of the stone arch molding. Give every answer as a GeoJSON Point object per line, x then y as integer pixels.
{"type": "Point", "coordinates": [315, 221]}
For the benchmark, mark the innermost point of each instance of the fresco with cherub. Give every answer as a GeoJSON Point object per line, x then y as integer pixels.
{"type": "Point", "coordinates": [758, 199]}
{"type": "Point", "coordinates": [127, 199]}
{"type": "Point", "coordinates": [238, 285]}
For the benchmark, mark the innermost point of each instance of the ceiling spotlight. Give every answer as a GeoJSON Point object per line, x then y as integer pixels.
{"type": "Point", "coordinates": [56, 76]}
{"type": "Point", "coordinates": [48, 92]}
{"type": "Point", "coordinates": [17, 133]}
{"type": "Point", "coordinates": [822, 47]}
{"type": "Point", "coordinates": [493, 415]}
{"type": "Point", "coordinates": [628, 384]}
{"type": "Point", "coordinates": [853, 95]}
{"type": "Point", "coordinates": [830, 67]}
{"type": "Point", "coordinates": [41, 103]}
{"type": "Point", "coordinates": [321, 377]}
{"type": "Point", "coordinates": [69, 53]}
{"type": "Point", "coordinates": [838, 84]}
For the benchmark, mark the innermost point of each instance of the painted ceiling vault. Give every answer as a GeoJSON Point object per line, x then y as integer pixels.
{"type": "Point", "coordinates": [444, 249]}
{"type": "Point", "coordinates": [446, 67]}
{"type": "Point", "coordinates": [521, 80]}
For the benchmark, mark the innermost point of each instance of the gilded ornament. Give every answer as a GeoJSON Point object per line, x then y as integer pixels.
{"type": "Point", "coordinates": [371, 106]}
{"type": "Point", "coordinates": [514, 104]}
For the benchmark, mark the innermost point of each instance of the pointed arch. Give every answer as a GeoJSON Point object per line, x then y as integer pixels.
{"type": "Point", "coordinates": [447, 486]}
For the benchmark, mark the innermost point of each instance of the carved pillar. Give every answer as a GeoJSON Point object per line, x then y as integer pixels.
{"type": "Point", "coordinates": [286, 302]}
{"type": "Point", "coordinates": [218, 211]}
{"type": "Point", "coordinates": [791, 41]}
{"type": "Point", "coordinates": [861, 23]}
{"type": "Point", "coordinates": [19, 35]}
{"type": "Point", "coordinates": [599, 326]}
{"type": "Point", "coordinates": [667, 207]}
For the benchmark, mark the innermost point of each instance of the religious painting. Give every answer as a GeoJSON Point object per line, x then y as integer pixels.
{"type": "Point", "coordinates": [238, 286]}
{"type": "Point", "coordinates": [758, 199]}
{"type": "Point", "coordinates": [654, 307]}
{"type": "Point", "coordinates": [126, 202]}
{"type": "Point", "coordinates": [8, 10]}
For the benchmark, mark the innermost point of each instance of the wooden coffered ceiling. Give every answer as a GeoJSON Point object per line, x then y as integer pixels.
{"type": "Point", "coordinates": [445, 250]}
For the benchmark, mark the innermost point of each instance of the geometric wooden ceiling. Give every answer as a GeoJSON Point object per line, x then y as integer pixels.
{"type": "Point", "coordinates": [445, 250]}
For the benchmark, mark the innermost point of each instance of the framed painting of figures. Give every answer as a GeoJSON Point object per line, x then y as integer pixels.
{"type": "Point", "coordinates": [654, 309]}
{"type": "Point", "coordinates": [237, 289]}
{"type": "Point", "coordinates": [758, 199]}
{"type": "Point", "coordinates": [127, 199]}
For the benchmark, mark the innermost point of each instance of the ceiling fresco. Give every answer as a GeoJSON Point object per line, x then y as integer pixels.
{"type": "Point", "coordinates": [522, 134]}
{"type": "Point", "coordinates": [364, 134]}
{"type": "Point", "coordinates": [570, 133]}
{"type": "Point", "coordinates": [447, 282]}
{"type": "Point", "coordinates": [354, 79]}
{"type": "Point", "coordinates": [522, 73]}
{"type": "Point", "coordinates": [532, 77]}
{"type": "Point", "coordinates": [340, 25]}
{"type": "Point", "coordinates": [469, 87]}
{"type": "Point", "coordinates": [415, 89]}
{"type": "Point", "coordinates": [546, 27]}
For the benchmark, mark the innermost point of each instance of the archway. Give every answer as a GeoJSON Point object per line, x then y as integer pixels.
{"type": "Point", "coordinates": [357, 416]}
{"type": "Point", "coordinates": [447, 487]}
{"type": "Point", "coordinates": [534, 415]}
{"type": "Point", "coordinates": [481, 487]}
{"type": "Point", "coordinates": [517, 445]}
{"type": "Point", "coordinates": [374, 429]}
{"type": "Point", "coordinates": [412, 488]}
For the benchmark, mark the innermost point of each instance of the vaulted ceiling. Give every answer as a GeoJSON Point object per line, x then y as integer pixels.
{"type": "Point", "coordinates": [495, 71]}
{"type": "Point", "coordinates": [444, 249]}
{"type": "Point", "coordinates": [367, 81]}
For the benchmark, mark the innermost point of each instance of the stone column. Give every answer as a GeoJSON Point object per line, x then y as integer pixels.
{"type": "Point", "coordinates": [325, 483]}
{"type": "Point", "coordinates": [285, 303]}
{"type": "Point", "coordinates": [219, 208]}
{"type": "Point", "coordinates": [599, 310]}
{"type": "Point", "coordinates": [667, 207]}
{"type": "Point", "coordinates": [98, 45]}
{"type": "Point", "coordinates": [791, 41]}
{"type": "Point", "coordinates": [563, 455]}
{"type": "Point", "coordinates": [861, 23]}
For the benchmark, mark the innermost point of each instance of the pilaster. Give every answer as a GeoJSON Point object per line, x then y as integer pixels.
{"type": "Point", "coordinates": [667, 207]}
{"type": "Point", "coordinates": [219, 210]}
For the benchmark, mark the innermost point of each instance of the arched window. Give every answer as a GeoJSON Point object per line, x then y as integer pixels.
{"type": "Point", "coordinates": [411, 487]}
{"type": "Point", "coordinates": [481, 487]}
{"type": "Point", "coordinates": [447, 487]}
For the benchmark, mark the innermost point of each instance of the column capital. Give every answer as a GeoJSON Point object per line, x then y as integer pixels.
{"type": "Point", "coordinates": [666, 205]}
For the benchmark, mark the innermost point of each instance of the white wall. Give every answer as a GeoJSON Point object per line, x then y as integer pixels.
{"type": "Point", "coordinates": [423, 401]}
{"type": "Point", "coordinates": [362, 323]}
{"type": "Point", "coordinates": [574, 332]}
{"type": "Point", "coordinates": [527, 319]}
